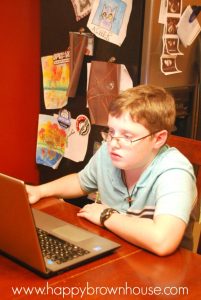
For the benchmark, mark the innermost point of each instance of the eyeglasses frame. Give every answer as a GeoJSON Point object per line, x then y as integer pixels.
{"type": "Point", "coordinates": [120, 137]}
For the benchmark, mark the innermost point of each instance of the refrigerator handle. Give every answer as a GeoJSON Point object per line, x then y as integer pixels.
{"type": "Point", "coordinates": [197, 98]}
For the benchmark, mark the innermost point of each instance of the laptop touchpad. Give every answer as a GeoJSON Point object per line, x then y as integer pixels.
{"type": "Point", "coordinates": [72, 233]}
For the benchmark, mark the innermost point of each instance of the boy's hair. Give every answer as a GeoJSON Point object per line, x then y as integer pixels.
{"type": "Point", "coordinates": [149, 105]}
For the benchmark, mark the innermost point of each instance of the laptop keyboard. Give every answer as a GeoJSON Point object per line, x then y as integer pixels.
{"type": "Point", "coordinates": [58, 250]}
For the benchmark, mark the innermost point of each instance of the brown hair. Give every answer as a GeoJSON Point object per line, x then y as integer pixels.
{"type": "Point", "coordinates": [149, 105]}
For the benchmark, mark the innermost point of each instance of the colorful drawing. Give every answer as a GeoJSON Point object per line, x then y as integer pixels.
{"type": "Point", "coordinates": [51, 141]}
{"type": "Point", "coordinates": [110, 14]}
{"type": "Point", "coordinates": [56, 76]}
{"type": "Point", "coordinates": [109, 19]}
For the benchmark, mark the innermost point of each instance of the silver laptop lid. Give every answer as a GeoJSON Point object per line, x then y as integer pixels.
{"type": "Point", "coordinates": [18, 237]}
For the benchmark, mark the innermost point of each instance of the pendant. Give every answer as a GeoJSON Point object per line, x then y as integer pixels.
{"type": "Point", "coordinates": [129, 199]}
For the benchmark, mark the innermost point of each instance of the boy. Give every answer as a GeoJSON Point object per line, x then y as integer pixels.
{"type": "Point", "coordinates": [147, 189]}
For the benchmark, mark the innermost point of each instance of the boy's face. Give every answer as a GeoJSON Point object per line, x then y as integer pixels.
{"type": "Point", "coordinates": [124, 154]}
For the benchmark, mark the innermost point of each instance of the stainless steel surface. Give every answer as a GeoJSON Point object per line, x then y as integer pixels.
{"type": "Point", "coordinates": [152, 50]}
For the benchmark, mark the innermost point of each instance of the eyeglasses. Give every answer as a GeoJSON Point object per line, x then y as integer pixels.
{"type": "Point", "coordinates": [122, 140]}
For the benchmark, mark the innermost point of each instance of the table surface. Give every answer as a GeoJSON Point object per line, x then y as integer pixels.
{"type": "Point", "coordinates": [128, 273]}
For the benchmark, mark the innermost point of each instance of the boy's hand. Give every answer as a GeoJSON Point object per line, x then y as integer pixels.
{"type": "Point", "coordinates": [33, 193]}
{"type": "Point", "coordinates": [92, 212]}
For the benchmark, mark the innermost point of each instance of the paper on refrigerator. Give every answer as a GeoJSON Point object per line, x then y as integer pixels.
{"type": "Point", "coordinates": [108, 20]}
{"type": "Point", "coordinates": [77, 138]}
{"type": "Point", "coordinates": [186, 30]}
{"type": "Point", "coordinates": [56, 77]}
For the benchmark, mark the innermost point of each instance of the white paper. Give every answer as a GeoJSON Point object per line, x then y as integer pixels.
{"type": "Point", "coordinates": [125, 79]}
{"type": "Point", "coordinates": [76, 147]}
{"type": "Point", "coordinates": [109, 19]}
{"type": "Point", "coordinates": [188, 31]}
{"type": "Point", "coordinates": [162, 13]}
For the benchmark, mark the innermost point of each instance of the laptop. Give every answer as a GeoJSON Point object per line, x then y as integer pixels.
{"type": "Point", "coordinates": [39, 241]}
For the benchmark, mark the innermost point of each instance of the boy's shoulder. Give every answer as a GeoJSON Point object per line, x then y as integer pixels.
{"type": "Point", "coordinates": [171, 157]}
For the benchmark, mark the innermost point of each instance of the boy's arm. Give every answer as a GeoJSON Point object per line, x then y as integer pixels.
{"type": "Point", "coordinates": [64, 187]}
{"type": "Point", "coordinates": [162, 235]}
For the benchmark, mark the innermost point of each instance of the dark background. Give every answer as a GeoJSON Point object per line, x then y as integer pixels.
{"type": "Point", "coordinates": [57, 20]}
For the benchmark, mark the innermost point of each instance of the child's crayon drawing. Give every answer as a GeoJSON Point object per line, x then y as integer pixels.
{"type": "Point", "coordinates": [56, 77]}
{"type": "Point", "coordinates": [109, 19]}
{"type": "Point", "coordinates": [51, 141]}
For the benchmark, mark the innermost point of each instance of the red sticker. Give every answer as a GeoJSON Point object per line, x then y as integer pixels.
{"type": "Point", "coordinates": [83, 125]}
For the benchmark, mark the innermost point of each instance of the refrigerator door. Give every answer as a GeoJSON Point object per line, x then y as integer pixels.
{"type": "Point", "coordinates": [152, 50]}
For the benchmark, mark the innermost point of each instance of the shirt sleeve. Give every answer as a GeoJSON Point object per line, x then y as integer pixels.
{"type": "Point", "coordinates": [88, 175]}
{"type": "Point", "coordinates": [176, 194]}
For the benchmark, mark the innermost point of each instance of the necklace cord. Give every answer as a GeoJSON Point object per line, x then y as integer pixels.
{"type": "Point", "coordinates": [129, 198]}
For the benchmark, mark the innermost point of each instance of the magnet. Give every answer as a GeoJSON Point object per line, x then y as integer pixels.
{"type": "Point", "coordinates": [64, 118]}
{"type": "Point", "coordinates": [83, 125]}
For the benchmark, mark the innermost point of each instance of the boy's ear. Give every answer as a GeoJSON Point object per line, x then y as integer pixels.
{"type": "Point", "coordinates": [160, 138]}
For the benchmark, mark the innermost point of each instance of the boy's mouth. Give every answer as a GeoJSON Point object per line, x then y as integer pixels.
{"type": "Point", "coordinates": [114, 155]}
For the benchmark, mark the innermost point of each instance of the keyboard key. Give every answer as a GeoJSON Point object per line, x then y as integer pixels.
{"type": "Point", "coordinates": [58, 250]}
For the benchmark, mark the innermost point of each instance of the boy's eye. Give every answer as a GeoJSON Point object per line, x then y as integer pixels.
{"type": "Point", "coordinates": [127, 136]}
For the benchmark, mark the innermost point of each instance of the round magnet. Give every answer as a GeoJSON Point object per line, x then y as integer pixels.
{"type": "Point", "coordinates": [83, 125]}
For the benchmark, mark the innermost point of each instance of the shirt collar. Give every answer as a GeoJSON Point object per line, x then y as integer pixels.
{"type": "Point", "coordinates": [144, 176]}
{"type": "Point", "coordinates": [116, 179]}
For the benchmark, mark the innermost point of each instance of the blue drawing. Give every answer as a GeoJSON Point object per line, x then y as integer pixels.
{"type": "Point", "coordinates": [109, 15]}
{"type": "Point", "coordinates": [47, 157]}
